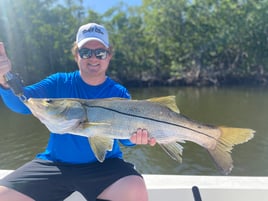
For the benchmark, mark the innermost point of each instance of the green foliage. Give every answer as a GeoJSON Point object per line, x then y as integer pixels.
{"type": "Point", "coordinates": [191, 42]}
{"type": "Point", "coordinates": [38, 36]}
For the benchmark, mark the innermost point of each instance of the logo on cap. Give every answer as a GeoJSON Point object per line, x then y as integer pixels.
{"type": "Point", "coordinates": [92, 31]}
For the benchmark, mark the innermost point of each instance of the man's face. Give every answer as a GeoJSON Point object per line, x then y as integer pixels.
{"type": "Point", "coordinates": [93, 66]}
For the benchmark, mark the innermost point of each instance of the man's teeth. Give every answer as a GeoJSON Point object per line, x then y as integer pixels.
{"type": "Point", "coordinates": [93, 64]}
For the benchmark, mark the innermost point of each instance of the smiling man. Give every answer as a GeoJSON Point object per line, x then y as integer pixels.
{"type": "Point", "coordinates": [68, 164]}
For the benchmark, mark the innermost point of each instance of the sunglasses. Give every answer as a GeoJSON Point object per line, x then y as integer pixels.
{"type": "Point", "coordinates": [86, 53]}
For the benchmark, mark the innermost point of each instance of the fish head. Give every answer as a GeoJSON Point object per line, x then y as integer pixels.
{"type": "Point", "coordinates": [58, 115]}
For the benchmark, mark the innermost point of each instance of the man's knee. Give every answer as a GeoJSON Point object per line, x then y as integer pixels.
{"type": "Point", "coordinates": [130, 188]}
{"type": "Point", "coordinates": [7, 194]}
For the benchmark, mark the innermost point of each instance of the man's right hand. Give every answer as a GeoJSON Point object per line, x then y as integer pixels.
{"type": "Point", "coordinates": [5, 65]}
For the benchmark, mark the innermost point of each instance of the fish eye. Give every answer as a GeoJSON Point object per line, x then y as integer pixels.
{"type": "Point", "coordinates": [49, 101]}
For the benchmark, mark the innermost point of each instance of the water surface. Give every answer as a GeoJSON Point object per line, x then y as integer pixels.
{"type": "Point", "coordinates": [23, 136]}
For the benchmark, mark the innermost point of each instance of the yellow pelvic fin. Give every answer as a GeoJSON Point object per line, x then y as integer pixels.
{"type": "Point", "coordinates": [229, 137]}
{"type": "Point", "coordinates": [168, 101]}
{"type": "Point", "coordinates": [100, 145]}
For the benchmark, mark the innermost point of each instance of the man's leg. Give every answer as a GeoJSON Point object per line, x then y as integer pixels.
{"type": "Point", "coordinates": [129, 188]}
{"type": "Point", "coordinates": [7, 194]}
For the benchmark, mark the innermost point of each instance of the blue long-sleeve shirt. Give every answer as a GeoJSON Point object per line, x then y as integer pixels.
{"type": "Point", "coordinates": [68, 148]}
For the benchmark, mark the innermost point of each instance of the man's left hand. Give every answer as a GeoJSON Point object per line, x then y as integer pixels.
{"type": "Point", "coordinates": [141, 136]}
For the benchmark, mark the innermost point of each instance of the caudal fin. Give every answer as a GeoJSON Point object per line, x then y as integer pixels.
{"type": "Point", "coordinates": [222, 152]}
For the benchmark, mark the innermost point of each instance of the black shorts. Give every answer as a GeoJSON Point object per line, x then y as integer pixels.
{"type": "Point", "coordinates": [46, 180]}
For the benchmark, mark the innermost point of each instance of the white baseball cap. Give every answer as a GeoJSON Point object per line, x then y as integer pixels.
{"type": "Point", "coordinates": [92, 31]}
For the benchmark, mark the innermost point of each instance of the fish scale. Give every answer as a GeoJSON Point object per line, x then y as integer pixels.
{"type": "Point", "coordinates": [103, 120]}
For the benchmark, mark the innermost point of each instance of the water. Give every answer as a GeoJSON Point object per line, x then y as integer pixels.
{"type": "Point", "coordinates": [22, 137]}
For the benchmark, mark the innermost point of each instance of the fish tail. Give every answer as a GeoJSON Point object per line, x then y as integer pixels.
{"type": "Point", "coordinates": [221, 154]}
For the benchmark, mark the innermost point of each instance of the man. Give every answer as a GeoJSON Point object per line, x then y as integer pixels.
{"type": "Point", "coordinates": [68, 163]}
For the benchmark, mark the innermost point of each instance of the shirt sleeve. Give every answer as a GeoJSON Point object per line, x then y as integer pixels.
{"type": "Point", "coordinates": [13, 102]}
{"type": "Point", "coordinates": [42, 89]}
{"type": "Point", "coordinates": [127, 143]}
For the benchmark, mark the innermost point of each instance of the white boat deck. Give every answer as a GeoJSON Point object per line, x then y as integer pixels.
{"type": "Point", "coordinates": [212, 188]}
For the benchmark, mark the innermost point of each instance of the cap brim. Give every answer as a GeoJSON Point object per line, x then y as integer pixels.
{"type": "Point", "coordinates": [84, 41]}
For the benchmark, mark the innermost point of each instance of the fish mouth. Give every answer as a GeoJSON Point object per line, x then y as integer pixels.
{"type": "Point", "coordinates": [54, 117]}
{"type": "Point", "coordinates": [57, 124]}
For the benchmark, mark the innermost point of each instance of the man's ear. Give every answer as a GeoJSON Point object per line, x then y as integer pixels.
{"type": "Point", "coordinates": [111, 55]}
{"type": "Point", "coordinates": [76, 57]}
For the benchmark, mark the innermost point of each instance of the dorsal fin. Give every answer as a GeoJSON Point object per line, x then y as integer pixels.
{"type": "Point", "coordinates": [168, 101]}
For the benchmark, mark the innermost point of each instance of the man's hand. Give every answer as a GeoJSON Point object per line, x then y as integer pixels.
{"type": "Point", "coordinates": [5, 65]}
{"type": "Point", "coordinates": [141, 136]}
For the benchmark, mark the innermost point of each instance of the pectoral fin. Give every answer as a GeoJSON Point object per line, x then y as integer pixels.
{"type": "Point", "coordinates": [100, 145]}
{"type": "Point", "coordinates": [87, 124]}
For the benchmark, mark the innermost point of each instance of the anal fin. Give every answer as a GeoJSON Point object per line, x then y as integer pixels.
{"type": "Point", "coordinates": [174, 150]}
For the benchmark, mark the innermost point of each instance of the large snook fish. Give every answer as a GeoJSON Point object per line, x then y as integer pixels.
{"type": "Point", "coordinates": [103, 120]}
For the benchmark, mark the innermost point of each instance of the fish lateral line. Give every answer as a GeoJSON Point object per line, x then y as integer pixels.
{"type": "Point", "coordinates": [148, 118]}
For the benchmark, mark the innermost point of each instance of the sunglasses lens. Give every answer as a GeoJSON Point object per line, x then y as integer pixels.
{"type": "Point", "coordinates": [101, 53]}
{"type": "Point", "coordinates": [85, 53]}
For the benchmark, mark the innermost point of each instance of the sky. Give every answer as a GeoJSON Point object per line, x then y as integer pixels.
{"type": "Point", "coordinates": [101, 6]}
